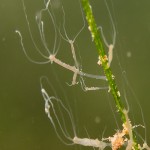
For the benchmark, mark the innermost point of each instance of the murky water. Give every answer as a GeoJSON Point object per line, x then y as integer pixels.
{"type": "Point", "coordinates": [23, 122]}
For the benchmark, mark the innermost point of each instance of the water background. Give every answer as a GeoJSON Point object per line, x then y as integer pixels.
{"type": "Point", "coordinates": [23, 122]}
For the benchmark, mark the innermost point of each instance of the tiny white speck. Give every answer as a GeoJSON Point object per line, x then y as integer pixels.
{"type": "Point", "coordinates": [118, 93]}
{"type": "Point", "coordinates": [97, 119]}
{"type": "Point", "coordinates": [129, 54]}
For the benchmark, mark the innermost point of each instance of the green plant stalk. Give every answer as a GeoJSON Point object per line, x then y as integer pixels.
{"type": "Point", "coordinates": [92, 26]}
{"type": "Point", "coordinates": [103, 57]}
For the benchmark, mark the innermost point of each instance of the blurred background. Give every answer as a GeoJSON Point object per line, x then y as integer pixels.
{"type": "Point", "coordinates": [23, 122]}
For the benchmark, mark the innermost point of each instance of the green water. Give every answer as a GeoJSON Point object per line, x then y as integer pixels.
{"type": "Point", "coordinates": [23, 122]}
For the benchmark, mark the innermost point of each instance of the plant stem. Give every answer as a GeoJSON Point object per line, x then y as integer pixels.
{"type": "Point", "coordinates": [92, 26]}
{"type": "Point", "coordinates": [103, 57]}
